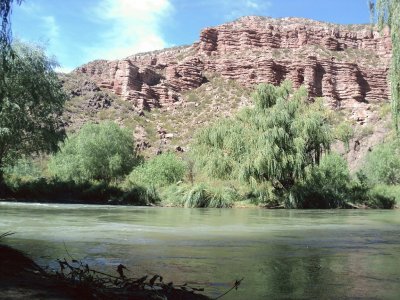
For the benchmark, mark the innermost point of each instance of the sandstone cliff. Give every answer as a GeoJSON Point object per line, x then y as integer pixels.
{"type": "Point", "coordinates": [185, 87]}
{"type": "Point", "coordinates": [347, 65]}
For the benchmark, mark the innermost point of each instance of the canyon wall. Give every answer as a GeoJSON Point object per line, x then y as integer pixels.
{"type": "Point", "coordinates": [346, 64]}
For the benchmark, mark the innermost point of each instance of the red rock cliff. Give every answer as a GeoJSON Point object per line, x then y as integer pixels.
{"type": "Point", "coordinates": [346, 64]}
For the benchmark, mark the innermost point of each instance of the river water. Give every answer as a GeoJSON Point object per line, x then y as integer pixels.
{"type": "Point", "coordinates": [282, 254]}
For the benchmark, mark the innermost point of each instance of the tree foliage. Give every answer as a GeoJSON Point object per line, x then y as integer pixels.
{"type": "Point", "coordinates": [5, 13]}
{"type": "Point", "coordinates": [388, 13]}
{"type": "Point", "coordinates": [6, 52]}
{"type": "Point", "coordinates": [24, 168]}
{"type": "Point", "coordinates": [274, 141]}
{"type": "Point", "coordinates": [383, 164]}
{"type": "Point", "coordinates": [31, 104]}
{"type": "Point", "coordinates": [164, 169]}
{"type": "Point", "coordinates": [31, 98]}
{"type": "Point", "coordinates": [344, 132]}
{"type": "Point", "coordinates": [97, 152]}
{"type": "Point", "coordinates": [325, 186]}
{"type": "Point", "coordinates": [202, 195]}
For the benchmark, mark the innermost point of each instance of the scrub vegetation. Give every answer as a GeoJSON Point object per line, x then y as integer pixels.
{"type": "Point", "coordinates": [388, 14]}
{"type": "Point", "coordinates": [274, 154]}
{"type": "Point", "coordinates": [102, 152]}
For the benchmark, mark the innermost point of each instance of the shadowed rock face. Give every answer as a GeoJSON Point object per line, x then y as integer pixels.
{"type": "Point", "coordinates": [347, 65]}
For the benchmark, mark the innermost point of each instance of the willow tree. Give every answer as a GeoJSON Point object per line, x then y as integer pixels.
{"type": "Point", "coordinates": [5, 13]}
{"type": "Point", "coordinates": [274, 141]}
{"type": "Point", "coordinates": [31, 105]}
{"type": "Point", "coordinates": [5, 40]}
{"type": "Point", "coordinates": [31, 96]}
{"type": "Point", "coordinates": [388, 13]}
{"type": "Point", "coordinates": [101, 152]}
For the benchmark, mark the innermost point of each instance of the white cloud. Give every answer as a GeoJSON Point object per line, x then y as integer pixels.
{"type": "Point", "coordinates": [50, 27]}
{"type": "Point", "coordinates": [29, 7]}
{"type": "Point", "coordinates": [134, 26]}
{"type": "Point", "coordinates": [46, 26]}
{"type": "Point", "coordinates": [63, 69]}
{"type": "Point", "coordinates": [241, 8]}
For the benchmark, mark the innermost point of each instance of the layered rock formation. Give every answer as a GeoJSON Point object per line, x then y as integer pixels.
{"type": "Point", "coordinates": [347, 65]}
{"type": "Point", "coordinates": [147, 81]}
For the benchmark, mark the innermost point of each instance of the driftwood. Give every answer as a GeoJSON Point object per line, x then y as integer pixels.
{"type": "Point", "coordinates": [99, 285]}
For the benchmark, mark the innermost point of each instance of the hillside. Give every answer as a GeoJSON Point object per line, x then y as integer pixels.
{"type": "Point", "coordinates": [163, 96]}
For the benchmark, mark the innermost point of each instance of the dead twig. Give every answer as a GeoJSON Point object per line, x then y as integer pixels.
{"type": "Point", "coordinates": [235, 286]}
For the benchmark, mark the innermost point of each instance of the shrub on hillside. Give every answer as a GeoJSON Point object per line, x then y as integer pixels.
{"type": "Point", "coordinates": [275, 141]}
{"type": "Point", "coordinates": [344, 132]}
{"type": "Point", "coordinates": [325, 185]}
{"type": "Point", "coordinates": [102, 152]}
{"type": "Point", "coordinates": [161, 170]}
{"type": "Point", "coordinates": [382, 164]}
{"type": "Point", "coordinates": [22, 169]}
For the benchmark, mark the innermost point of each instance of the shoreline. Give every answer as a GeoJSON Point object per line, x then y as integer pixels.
{"type": "Point", "coordinates": [239, 205]}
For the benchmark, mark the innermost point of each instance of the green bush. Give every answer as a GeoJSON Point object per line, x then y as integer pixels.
{"type": "Point", "coordinates": [162, 170]}
{"type": "Point", "coordinates": [200, 195]}
{"type": "Point", "coordinates": [24, 169]}
{"type": "Point", "coordinates": [54, 190]}
{"type": "Point", "coordinates": [223, 197]}
{"type": "Point", "coordinates": [263, 194]}
{"type": "Point", "coordinates": [382, 165]}
{"type": "Point", "coordinates": [359, 188]}
{"type": "Point", "coordinates": [363, 192]}
{"type": "Point", "coordinates": [139, 195]}
{"type": "Point", "coordinates": [274, 141]}
{"type": "Point", "coordinates": [325, 186]}
{"type": "Point", "coordinates": [206, 196]}
{"type": "Point", "coordinates": [174, 194]}
{"type": "Point", "coordinates": [378, 198]}
{"type": "Point", "coordinates": [31, 102]}
{"type": "Point", "coordinates": [102, 152]}
{"type": "Point", "coordinates": [344, 132]}
{"type": "Point", "coordinates": [391, 191]}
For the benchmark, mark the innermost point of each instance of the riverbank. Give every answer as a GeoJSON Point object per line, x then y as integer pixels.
{"type": "Point", "coordinates": [245, 204]}
{"type": "Point", "coordinates": [55, 191]}
{"type": "Point", "coordinates": [216, 195]}
{"type": "Point", "coordinates": [204, 193]}
{"type": "Point", "coordinates": [22, 278]}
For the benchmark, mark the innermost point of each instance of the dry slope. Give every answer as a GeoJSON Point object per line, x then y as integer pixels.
{"type": "Point", "coordinates": [164, 95]}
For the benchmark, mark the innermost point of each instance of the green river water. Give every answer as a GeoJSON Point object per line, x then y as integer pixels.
{"type": "Point", "coordinates": [282, 254]}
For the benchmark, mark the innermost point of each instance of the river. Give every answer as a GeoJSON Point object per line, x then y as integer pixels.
{"type": "Point", "coordinates": [282, 254]}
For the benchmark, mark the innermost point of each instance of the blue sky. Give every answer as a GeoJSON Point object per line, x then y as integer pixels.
{"type": "Point", "coordinates": [78, 31]}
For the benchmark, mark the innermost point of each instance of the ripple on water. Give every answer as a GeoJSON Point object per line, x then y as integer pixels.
{"type": "Point", "coordinates": [281, 254]}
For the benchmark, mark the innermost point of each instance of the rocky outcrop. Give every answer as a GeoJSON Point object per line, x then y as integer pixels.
{"type": "Point", "coordinates": [347, 65]}
{"type": "Point", "coordinates": [340, 63]}
{"type": "Point", "coordinates": [290, 33]}
{"type": "Point", "coordinates": [84, 88]}
{"type": "Point", "coordinates": [88, 91]}
{"type": "Point", "coordinates": [145, 86]}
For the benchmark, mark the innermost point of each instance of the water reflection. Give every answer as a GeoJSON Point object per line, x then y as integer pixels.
{"type": "Point", "coordinates": [282, 254]}
{"type": "Point", "coordinates": [299, 277]}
